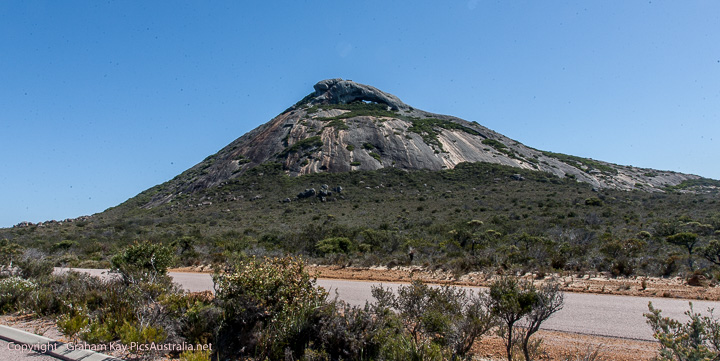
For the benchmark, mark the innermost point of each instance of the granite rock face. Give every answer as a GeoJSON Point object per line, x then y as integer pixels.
{"type": "Point", "coordinates": [338, 91]}
{"type": "Point", "coordinates": [344, 126]}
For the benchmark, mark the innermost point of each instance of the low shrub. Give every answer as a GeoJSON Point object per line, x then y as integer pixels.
{"type": "Point", "coordinates": [268, 307]}
{"type": "Point", "coordinates": [697, 339]}
{"type": "Point", "coordinates": [14, 292]}
{"type": "Point", "coordinates": [445, 316]}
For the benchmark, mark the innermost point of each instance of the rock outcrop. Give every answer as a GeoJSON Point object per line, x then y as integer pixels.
{"type": "Point", "coordinates": [338, 91]}
{"type": "Point", "coordinates": [345, 126]}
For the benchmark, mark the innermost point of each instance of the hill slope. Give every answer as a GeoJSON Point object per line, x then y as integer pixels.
{"type": "Point", "coordinates": [344, 126]}
{"type": "Point", "coordinates": [350, 165]}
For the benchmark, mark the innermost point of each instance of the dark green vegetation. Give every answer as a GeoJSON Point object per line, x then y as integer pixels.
{"type": "Point", "coordinates": [305, 144]}
{"type": "Point", "coordinates": [356, 109]}
{"type": "Point", "coordinates": [542, 223]}
{"type": "Point", "coordinates": [704, 182]}
{"type": "Point", "coordinates": [262, 309]}
{"type": "Point", "coordinates": [428, 129]}
{"type": "Point", "coordinates": [582, 162]}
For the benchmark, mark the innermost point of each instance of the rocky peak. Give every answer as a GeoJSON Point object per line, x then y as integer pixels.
{"type": "Point", "coordinates": [346, 126]}
{"type": "Point", "coordinates": [339, 91]}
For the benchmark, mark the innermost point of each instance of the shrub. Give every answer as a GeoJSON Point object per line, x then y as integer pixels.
{"type": "Point", "coordinates": [494, 143]}
{"type": "Point", "coordinates": [130, 333]}
{"type": "Point", "coordinates": [142, 261]}
{"type": "Point", "coordinates": [14, 292]}
{"type": "Point", "coordinates": [199, 316]}
{"type": "Point", "coordinates": [63, 246]}
{"type": "Point", "coordinates": [34, 268]}
{"type": "Point", "coordinates": [698, 339]}
{"type": "Point", "coordinates": [195, 355]}
{"type": "Point", "coordinates": [8, 252]}
{"type": "Point", "coordinates": [334, 245]}
{"type": "Point", "coordinates": [446, 316]}
{"type": "Point", "coordinates": [71, 325]}
{"type": "Point", "coordinates": [351, 333]}
{"type": "Point", "coordinates": [303, 145]}
{"type": "Point", "coordinates": [269, 306]}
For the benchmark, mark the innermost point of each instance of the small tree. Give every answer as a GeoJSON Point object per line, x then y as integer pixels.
{"type": "Point", "coordinates": [688, 240]}
{"type": "Point", "coordinates": [711, 252]}
{"type": "Point", "coordinates": [474, 226]}
{"type": "Point", "coordinates": [549, 301]}
{"type": "Point", "coordinates": [520, 303]}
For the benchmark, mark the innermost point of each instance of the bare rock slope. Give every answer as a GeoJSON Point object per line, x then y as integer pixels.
{"type": "Point", "coordinates": [345, 126]}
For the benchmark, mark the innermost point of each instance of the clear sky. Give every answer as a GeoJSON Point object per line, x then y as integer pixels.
{"type": "Point", "coordinates": [100, 100]}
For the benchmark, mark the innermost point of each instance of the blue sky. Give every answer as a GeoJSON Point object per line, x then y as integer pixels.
{"type": "Point", "coordinates": [100, 100]}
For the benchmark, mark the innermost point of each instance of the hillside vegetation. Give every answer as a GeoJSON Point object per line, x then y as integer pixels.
{"type": "Point", "coordinates": [475, 217]}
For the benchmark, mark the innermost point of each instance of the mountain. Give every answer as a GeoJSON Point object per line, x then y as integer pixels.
{"type": "Point", "coordinates": [345, 126]}
{"type": "Point", "coordinates": [353, 165]}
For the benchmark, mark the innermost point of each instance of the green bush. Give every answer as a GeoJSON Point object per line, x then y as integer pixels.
{"type": "Point", "coordinates": [14, 292]}
{"type": "Point", "coordinates": [199, 316]}
{"type": "Point", "coordinates": [269, 306]}
{"type": "Point", "coordinates": [494, 143]}
{"type": "Point", "coordinates": [697, 339]}
{"type": "Point", "coordinates": [34, 268]}
{"type": "Point", "coordinates": [195, 355]}
{"type": "Point", "coordinates": [142, 261]}
{"type": "Point", "coordinates": [8, 252]}
{"type": "Point", "coordinates": [130, 333]}
{"type": "Point", "coordinates": [446, 316]}
{"type": "Point", "coordinates": [303, 145]}
{"type": "Point", "coordinates": [72, 324]}
{"type": "Point", "coordinates": [335, 245]}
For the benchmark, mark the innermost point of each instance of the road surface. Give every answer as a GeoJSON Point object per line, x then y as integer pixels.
{"type": "Point", "coordinates": [584, 313]}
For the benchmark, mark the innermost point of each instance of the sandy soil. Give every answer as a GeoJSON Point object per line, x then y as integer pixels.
{"type": "Point", "coordinates": [572, 347]}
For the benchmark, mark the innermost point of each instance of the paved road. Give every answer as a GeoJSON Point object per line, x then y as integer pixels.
{"type": "Point", "coordinates": [604, 315]}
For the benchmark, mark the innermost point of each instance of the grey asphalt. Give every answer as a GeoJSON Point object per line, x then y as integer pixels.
{"type": "Point", "coordinates": [584, 313]}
